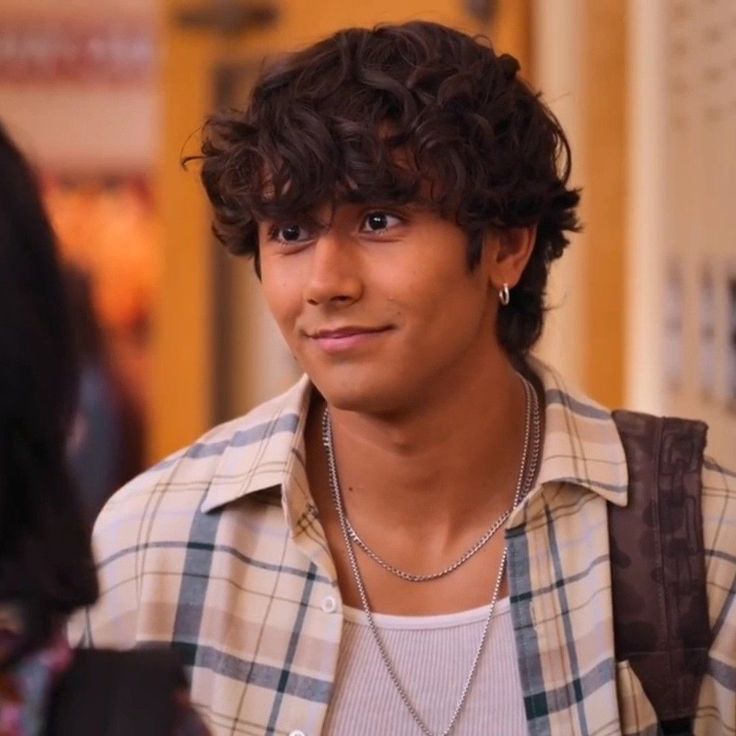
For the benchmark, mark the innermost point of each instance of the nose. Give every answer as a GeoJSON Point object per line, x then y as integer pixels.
{"type": "Point", "coordinates": [334, 275]}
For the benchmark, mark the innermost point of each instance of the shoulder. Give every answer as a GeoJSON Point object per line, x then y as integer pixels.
{"type": "Point", "coordinates": [180, 483]}
{"type": "Point", "coordinates": [154, 524]}
{"type": "Point", "coordinates": [179, 477]}
{"type": "Point", "coordinates": [158, 508]}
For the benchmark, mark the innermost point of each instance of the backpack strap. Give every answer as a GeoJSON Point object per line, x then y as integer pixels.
{"type": "Point", "coordinates": [111, 693]}
{"type": "Point", "coordinates": [660, 602]}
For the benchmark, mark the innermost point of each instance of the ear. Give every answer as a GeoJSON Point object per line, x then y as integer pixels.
{"type": "Point", "coordinates": [507, 253]}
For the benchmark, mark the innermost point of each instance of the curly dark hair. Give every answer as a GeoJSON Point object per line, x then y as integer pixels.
{"type": "Point", "coordinates": [371, 115]}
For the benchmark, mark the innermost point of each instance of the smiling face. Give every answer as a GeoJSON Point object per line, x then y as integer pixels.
{"type": "Point", "coordinates": [378, 304]}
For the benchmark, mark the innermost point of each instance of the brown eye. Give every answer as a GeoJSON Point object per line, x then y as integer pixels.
{"type": "Point", "coordinates": [291, 234]}
{"type": "Point", "coordinates": [378, 222]}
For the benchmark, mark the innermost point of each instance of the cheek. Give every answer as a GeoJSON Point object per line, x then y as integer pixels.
{"type": "Point", "coordinates": [276, 275]}
{"type": "Point", "coordinates": [282, 301]}
{"type": "Point", "coordinates": [458, 314]}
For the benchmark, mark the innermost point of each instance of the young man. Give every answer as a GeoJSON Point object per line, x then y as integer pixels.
{"type": "Point", "coordinates": [414, 538]}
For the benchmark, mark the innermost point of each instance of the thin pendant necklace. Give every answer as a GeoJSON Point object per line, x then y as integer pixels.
{"type": "Point", "coordinates": [527, 473]}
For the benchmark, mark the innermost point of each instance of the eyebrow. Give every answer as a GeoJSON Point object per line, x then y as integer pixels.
{"type": "Point", "coordinates": [304, 220]}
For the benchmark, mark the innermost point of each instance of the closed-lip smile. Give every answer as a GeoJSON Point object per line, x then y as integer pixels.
{"type": "Point", "coordinates": [345, 331]}
{"type": "Point", "coordinates": [346, 338]}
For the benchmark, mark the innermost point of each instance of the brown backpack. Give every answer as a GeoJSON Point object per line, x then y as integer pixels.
{"type": "Point", "coordinates": [658, 564]}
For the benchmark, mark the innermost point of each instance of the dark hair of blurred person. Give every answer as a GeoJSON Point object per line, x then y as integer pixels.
{"type": "Point", "coordinates": [46, 564]}
{"type": "Point", "coordinates": [45, 556]}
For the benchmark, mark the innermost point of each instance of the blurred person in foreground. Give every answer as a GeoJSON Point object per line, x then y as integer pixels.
{"type": "Point", "coordinates": [46, 565]}
{"type": "Point", "coordinates": [414, 538]}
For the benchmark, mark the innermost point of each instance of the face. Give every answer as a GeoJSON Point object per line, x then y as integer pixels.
{"type": "Point", "coordinates": [378, 304]}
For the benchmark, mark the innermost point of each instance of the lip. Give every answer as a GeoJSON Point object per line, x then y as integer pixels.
{"type": "Point", "coordinates": [347, 338]}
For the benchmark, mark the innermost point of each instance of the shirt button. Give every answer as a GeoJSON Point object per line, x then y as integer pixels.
{"type": "Point", "coordinates": [329, 605]}
{"type": "Point", "coordinates": [297, 733]}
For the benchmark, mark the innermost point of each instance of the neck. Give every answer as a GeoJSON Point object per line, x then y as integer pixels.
{"type": "Point", "coordinates": [456, 457]}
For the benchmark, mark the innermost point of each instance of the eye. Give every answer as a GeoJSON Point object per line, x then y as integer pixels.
{"type": "Point", "coordinates": [378, 222]}
{"type": "Point", "coordinates": [291, 233]}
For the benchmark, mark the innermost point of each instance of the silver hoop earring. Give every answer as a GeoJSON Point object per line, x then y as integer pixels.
{"type": "Point", "coordinates": [504, 296]}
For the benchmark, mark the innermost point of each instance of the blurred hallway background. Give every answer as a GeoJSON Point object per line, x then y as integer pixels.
{"type": "Point", "coordinates": [106, 95]}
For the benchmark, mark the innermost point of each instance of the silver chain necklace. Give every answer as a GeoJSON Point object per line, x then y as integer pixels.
{"type": "Point", "coordinates": [527, 473]}
{"type": "Point", "coordinates": [414, 578]}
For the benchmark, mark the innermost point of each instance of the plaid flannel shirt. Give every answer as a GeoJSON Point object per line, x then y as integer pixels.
{"type": "Point", "coordinates": [218, 551]}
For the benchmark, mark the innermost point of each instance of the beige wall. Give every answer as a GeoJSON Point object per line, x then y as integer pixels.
{"type": "Point", "coordinates": [579, 53]}
{"type": "Point", "coordinates": [605, 147]}
{"type": "Point", "coordinates": [557, 44]}
{"type": "Point", "coordinates": [77, 8]}
{"type": "Point", "coordinates": [682, 120]}
{"type": "Point", "coordinates": [83, 127]}
{"type": "Point", "coordinates": [68, 129]}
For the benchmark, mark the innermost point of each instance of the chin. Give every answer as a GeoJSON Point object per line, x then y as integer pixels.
{"type": "Point", "coordinates": [360, 394]}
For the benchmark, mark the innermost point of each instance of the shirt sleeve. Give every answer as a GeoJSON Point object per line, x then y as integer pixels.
{"type": "Point", "coordinates": [123, 551]}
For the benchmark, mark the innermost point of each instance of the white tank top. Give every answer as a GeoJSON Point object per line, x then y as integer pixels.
{"type": "Point", "coordinates": [432, 656]}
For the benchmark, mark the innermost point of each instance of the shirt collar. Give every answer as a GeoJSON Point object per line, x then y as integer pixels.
{"type": "Point", "coordinates": [262, 450]}
{"type": "Point", "coordinates": [581, 443]}
{"type": "Point", "coordinates": [265, 449]}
